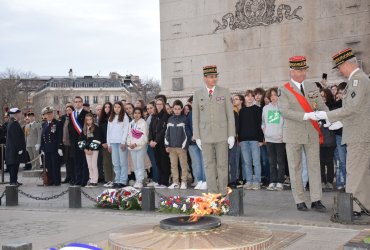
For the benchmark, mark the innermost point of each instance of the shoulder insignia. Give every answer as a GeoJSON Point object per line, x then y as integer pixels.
{"type": "Point", "coordinates": [355, 83]}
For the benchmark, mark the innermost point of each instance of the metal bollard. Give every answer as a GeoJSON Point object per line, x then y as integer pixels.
{"type": "Point", "coordinates": [345, 207]}
{"type": "Point", "coordinates": [18, 246]}
{"type": "Point", "coordinates": [74, 193]}
{"type": "Point", "coordinates": [11, 193]}
{"type": "Point", "coordinates": [148, 198]}
{"type": "Point", "coordinates": [236, 202]}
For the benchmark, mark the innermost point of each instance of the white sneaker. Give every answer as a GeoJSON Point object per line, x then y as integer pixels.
{"type": "Point", "coordinates": [131, 183]}
{"type": "Point", "coordinates": [138, 185]}
{"type": "Point", "coordinates": [183, 185]}
{"type": "Point", "coordinates": [174, 185]}
{"type": "Point", "coordinates": [108, 184]}
{"type": "Point", "coordinates": [203, 186]}
{"type": "Point", "coordinates": [279, 187]}
{"type": "Point", "coordinates": [256, 186]}
{"type": "Point", "coordinates": [199, 184]}
{"type": "Point", "coordinates": [160, 186]}
{"type": "Point", "coordinates": [248, 186]}
{"type": "Point", "coordinates": [271, 187]}
{"type": "Point", "coordinates": [152, 184]}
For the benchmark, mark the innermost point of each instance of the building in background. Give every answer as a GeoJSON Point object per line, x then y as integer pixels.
{"type": "Point", "coordinates": [251, 40]}
{"type": "Point", "coordinates": [58, 91]}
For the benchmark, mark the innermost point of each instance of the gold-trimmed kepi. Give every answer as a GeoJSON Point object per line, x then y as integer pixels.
{"type": "Point", "coordinates": [210, 70]}
{"type": "Point", "coordinates": [47, 110]}
{"type": "Point", "coordinates": [298, 62]}
{"type": "Point", "coordinates": [342, 56]}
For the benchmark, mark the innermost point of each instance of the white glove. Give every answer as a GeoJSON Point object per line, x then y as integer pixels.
{"type": "Point", "coordinates": [22, 165]}
{"type": "Point", "coordinates": [37, 147]}
{"type": "Point", "coordinates": [327, 124]}
{"type": "Point", "coordinates": [336, 125]}
{"type": "Point", "coordinates": [321, 115]}
{"type": "Point", "coordinates": [20, 152]}
{"type": "Point", "coordinates": [231, 141]}
{"type": "Point", "coordinates": [42, 153]}
{"type": "Point", "coordinates": [310, 116]}
{"type": "Point", "coordinates": [199, 143]}
{"type": "Point", "coordinates": [60, 152]}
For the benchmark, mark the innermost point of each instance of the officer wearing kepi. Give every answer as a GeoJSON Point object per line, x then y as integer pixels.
{"type": "Point", "coordinates": [355, 120]}
{"type": "Point", "coordinates": [51, 145]}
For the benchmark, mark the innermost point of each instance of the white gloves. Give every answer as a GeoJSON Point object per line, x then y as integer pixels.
{"type": "Point", "coordinates": [336, 125]}
{"type": "Point", "coordinates": [42, 153]}
{"type": "Point", "coordinates": [231, 141]}
{"type": "Point", "coordinates": [60, 152]}
{"type": "Point", "coordinates": [199, 143]}
{"type": "Point", "coordinates": [20, 152]}
{"type": "Point", "coordinates": [309, 116]}
{"type": "Point", "coordinates": [37, 147]}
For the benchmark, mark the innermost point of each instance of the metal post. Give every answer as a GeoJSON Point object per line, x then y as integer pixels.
{"type": "Point", "coordinates": [236, 202]}
{"type": "Point", "coordinates": [74, 196]}
{"type": "Point", "coordinates": [17, 246]}
{"type": "Point", "coordinates": [2, 163]}
{"type": "Point", "coordinates": [11, 194]}
{"type": "Point", "coordinates": [148, 199]}
{"type": "Point", "coordinates": [345, 207]}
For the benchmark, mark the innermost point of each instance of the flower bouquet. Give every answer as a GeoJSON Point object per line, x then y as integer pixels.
{"type": "Point", "coordinates": [127, 198]}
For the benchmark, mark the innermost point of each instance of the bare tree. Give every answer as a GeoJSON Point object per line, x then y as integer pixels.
{"type": "Point", "coordinates": [150, 88]}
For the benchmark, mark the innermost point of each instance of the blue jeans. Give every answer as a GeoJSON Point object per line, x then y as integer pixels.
{"type": "Point", "coordinates": [197, 163]}
{"type": "Point", "coordinates": [138, 160]}
{"type": "Point", "coordinates": [342, 153]}
{"type": "Point", "coordinates": [151, 155]}
{"type": "Point", "coordinates": [252, 157]}
{"type": "Point", "coordinates": [234, 163]}
{"type": "Point", "coordinates": [120, 163]}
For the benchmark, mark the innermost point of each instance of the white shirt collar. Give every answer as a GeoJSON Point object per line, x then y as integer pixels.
{"type": "Point", "coordinates": [213, 89]}
{"type": "Point", "coordinates": [297, 84]}
{"type": "Point", "coordinates": [353, 72]}
{"type": "Point", "coordinates": [79, 110]}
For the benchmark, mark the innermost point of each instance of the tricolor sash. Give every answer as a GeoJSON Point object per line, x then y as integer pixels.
{"type": "Point", "coordinates": [75, 123]}
{"type": "Point", "coordinates": [306, 107]}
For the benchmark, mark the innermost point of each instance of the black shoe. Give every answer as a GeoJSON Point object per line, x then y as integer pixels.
{"type": "Point", "coordinates": [302, 206]}
{"type": "Point", "coordinates": [19, 183]}
{"type": "Point", "coordinates": [121, 185]}
{"type": "Point", "coordinates": [101, 180]}
{"type": "Point", "coordinates": [357, 215]}
{"type": "Point", "coordinates": [318, 206]}
{"type": "Point", "coordinates": [13, 184]}
{"type": "Point", "coordinates": [233, 185]}
{"type": "Point", "coordinates": [115, 185]}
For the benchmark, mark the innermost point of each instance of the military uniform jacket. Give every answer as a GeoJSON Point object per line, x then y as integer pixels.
{"type": "Point", "coordinates": [15, 142]}
{"type": "Point", "coordinates": [355, 111]}
{"type": "Point", "coordinates": [213, 117]}
{"type": "Point", "coordinates": [51, 137]}
{"type": "Point", "coordinates": [33, 134]}
{"type": "Point", "coordinates": [295, 129]}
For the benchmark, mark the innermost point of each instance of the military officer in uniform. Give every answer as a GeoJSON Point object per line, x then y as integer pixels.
{"type": "Point", "coordinates": [355, 119]}
{"type": "Point", "coordinates": [33, 139]}
{"type": "Point", "coordinates": [51, 145]}
{"type": "Point", "coordinates": [15, 146]}
{"type": "Point", "coordinates": [297, 99]}
{"type": "Point", "coordinates": [214, 129]}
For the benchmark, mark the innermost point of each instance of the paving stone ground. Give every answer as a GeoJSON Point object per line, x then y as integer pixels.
{"type": "Point", "coordinates": [52, 223]}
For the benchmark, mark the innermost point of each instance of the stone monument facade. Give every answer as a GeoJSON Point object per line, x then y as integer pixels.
{"type": "Point", "coordinates": [251, 40]}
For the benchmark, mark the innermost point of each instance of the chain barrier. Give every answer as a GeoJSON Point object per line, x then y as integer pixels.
{"type": "Point", "coordinates": [88, 196]}
{"type": "Point", "coordinates": [43, 198]}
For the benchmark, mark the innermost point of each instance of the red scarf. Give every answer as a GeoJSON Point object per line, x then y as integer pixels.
{"type": "Point", "coordinates": [306, 107]}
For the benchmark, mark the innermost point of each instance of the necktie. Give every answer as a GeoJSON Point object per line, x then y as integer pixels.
{"type": "Point", "coordinates": [210, 93]}
{"type": "Point", "coordinates": [78, 113]}
{"type": "Point", "coordinates": [302, 90]}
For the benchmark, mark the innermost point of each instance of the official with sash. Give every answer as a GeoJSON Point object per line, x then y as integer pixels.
{"type": "Point", "coordinates": [77, 119]}
{"type": "Point", "coordinates": [298, 98]}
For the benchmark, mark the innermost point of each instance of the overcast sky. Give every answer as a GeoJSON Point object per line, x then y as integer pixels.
{"type": "Point", "coordinates": [48, 37]}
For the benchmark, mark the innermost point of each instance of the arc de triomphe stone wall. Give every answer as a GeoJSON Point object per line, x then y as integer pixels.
{"type": "Point", "coordinates": [251, 40]}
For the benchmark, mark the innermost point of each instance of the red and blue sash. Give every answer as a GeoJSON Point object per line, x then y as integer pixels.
{"type": "Point", "coordinates": [75, 123]}
{"type": "Point", "coordinates": [306, 107]}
